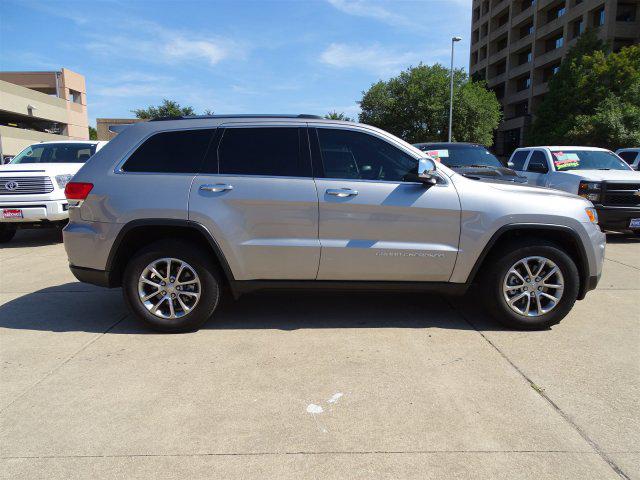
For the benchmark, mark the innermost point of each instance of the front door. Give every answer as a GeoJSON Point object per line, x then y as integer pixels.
{"type": "Point", "coordinates": [537, 171]}
{"type": "Point", "coordinates": [260, 202]}
{"type": "Point", "coordinates": [376, 221]}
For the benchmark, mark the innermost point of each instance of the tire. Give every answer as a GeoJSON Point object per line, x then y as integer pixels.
{"type": "Point", "coordinates": [496, 280]}
{"type": "Point", "coordinates": [7, 232]}
{"type": "Point", "coordinates": [196, 261]}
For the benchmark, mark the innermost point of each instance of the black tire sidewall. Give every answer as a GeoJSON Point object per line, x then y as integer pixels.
{"type": "Point", "coordinates": [211, 286]}
{"type": "Point", "coordinates": [7, 232]}
{"type": "Point", "coordinates": [498, 305]}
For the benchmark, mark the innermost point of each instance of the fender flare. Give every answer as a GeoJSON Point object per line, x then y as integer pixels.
{"type": "Point", "coordinates": [583, 267]}
{"type": "Point", "coordinates": [166, 222]}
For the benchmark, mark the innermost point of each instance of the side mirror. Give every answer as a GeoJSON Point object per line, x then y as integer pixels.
{"type": "Point", "coordinates": [537, 168]}
{"type": "Point", "coordinates": [427, 171]}
{"type": "Point", "coordinates": [510, 164]}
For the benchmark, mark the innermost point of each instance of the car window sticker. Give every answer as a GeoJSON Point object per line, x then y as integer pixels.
{"type": "Point", "coordinates": [566, 160]}
{"type": "Point", "coordinates": [438, 154]}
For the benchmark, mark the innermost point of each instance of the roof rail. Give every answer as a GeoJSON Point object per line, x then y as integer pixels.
{"type": "Point", "coordinates": [243, 115]}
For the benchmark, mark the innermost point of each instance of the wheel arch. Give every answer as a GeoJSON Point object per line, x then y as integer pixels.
{"type": "Point", "coordinates": [562, 235]}
{"type": "Point", "coordinates": [139, 233]}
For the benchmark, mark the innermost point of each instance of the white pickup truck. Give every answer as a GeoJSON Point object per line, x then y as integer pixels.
{"type": "Point", "coordinates": [596, 174]}
{"type": "Point", "coordinates": [32, 184]}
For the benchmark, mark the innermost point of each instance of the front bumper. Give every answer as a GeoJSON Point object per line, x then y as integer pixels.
{"type": "Point", "coordinates": [36, 211]}
{"type": "Point", "coordinates": [616, 218]}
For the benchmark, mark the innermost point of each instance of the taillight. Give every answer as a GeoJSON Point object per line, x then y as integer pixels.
{"type": "Point", "coordinates": [77, 190]}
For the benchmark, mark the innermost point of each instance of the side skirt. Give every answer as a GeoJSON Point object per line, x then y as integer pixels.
{"type": "Point", "coordinates": [240, 287]}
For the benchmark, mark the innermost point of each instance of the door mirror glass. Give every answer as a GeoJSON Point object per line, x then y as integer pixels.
{"type": "Point", "coordinates": [537, 168]}
{"type": "Point", "coordinates": [427, 171]}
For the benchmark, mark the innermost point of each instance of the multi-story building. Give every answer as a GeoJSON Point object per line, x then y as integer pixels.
{"type": "Point", "coordinates": [103, 126]}
{"type": "Point", "coordinates": [41, 106]}
{"type": "Point", "coordinates": [516, 46]}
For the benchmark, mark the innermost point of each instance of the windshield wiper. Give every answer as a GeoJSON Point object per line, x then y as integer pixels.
{"type": "Point", "coordinates": [604, 169]}
{"type": "Point", "coordinates": [482, 166]}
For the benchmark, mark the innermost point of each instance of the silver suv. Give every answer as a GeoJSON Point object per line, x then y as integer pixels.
{"type": "Point", "coordinates": [179, 211]}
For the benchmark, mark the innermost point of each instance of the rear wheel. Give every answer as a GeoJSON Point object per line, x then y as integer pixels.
{"type": "Point", "coordinates": [172, 286]}
{"type": "Point", "coordinates": [531, 286]}
{"type": "Point", "coordinates": [7, 232]}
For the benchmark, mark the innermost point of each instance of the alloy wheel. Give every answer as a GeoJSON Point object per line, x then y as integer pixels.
{"type": "Point", "coordinates": [169, 288]}
{"type": "Point", "coordinates": [533, 286]}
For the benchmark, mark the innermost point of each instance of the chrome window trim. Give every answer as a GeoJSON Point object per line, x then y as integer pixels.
{"type": "Point", "coordinates": [444, 180]}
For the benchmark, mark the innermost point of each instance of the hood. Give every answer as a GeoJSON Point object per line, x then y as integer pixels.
{"type": "Point", "coordinates": [604, 175]}
{"type": "Point", "coordinates": [40, 168]}
{"type": "Point", "coordinates": [495, 173]}
{"type": "Point", "coordinates": [517, 188]}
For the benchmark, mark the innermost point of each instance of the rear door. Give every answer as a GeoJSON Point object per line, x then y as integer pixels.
{"type": "Point", "coordinates": [258, 198]}
{"type": "Point", "coordinates": [376, 221]}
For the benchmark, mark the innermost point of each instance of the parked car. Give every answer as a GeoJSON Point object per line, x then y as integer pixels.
{"type": "Point", "coordinates": [32, 185]}
{"type": "Point", "coordinates": [471, 160]}
{"type": "Point", "coordinates": [596, 174]}
{"type": "Point", "coordinates": [631, 156]}
{"type": "Point", "coordinates": [174, 211]}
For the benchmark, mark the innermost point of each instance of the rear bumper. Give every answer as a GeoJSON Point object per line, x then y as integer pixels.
{"type": "Point", "coordinates": [100, 278]}
{"type": "Point", "coordinates": [616, 218]}
{"type": "Point", "coordinates": [36, 211]}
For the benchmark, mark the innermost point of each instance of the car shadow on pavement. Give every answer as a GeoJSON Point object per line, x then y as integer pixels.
{"type": "Point", "coordinates": [618, 237]}
{"type": "Point", "coordinates": [34, 238]}
{"type": "Point", "coordinates": [65, 308]}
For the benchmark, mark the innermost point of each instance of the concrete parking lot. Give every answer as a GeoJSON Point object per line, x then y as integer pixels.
{"type": "Point", "coordinates": [335, 386]}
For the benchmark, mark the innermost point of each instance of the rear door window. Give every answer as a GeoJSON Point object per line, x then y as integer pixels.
{"type": "Point", "coordinates": [180, 151]}
{"type": "Point", "coordinates": [357, 155]}
{"type": "Point", "coordinates": [270, 151]}
{"type": "Point", "coordinates": [518, 159]}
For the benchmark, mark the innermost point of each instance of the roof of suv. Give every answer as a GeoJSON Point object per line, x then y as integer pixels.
{"type": "Point", "coordinates": [90, 142]}
{"type": "Point", "coordinates": [448, 144]}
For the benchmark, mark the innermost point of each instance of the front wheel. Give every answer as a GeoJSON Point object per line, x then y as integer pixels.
{"type": "Point", "coordinates": [172, 286]}
{"type": "Point", "coordinates": [7, 232]}
{"type": "Point", "coordinates": [531, 286]}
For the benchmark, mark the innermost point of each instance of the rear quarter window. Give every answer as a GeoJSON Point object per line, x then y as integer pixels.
{"type": "Point", "coordinates": [180, 151]}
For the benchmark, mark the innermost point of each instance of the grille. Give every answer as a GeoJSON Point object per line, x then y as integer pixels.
{"type": "Point", "coordinates": [621, 194]}
{"type": "Point", "coordinates": [25, 185]}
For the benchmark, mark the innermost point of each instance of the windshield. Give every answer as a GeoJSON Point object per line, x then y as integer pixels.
{"type": "Point", "coordinates": [587, 160]}
{"type": "Point", "coordinates": [461, 155]}
{"type": "Point", "coordinates": [56, 153]}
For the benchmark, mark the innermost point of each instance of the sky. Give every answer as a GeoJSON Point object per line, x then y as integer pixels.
{"type": "Point", "coordinates": [242, 56]}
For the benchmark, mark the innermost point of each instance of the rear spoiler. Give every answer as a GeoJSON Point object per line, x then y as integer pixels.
{"type": "Point", "coordinates": [119, 128]}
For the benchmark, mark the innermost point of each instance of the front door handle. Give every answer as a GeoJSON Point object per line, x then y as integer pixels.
{"type": "Point", "coordinates": [342, 192]}
{"type": "Point", "coordinates": [218, 187]}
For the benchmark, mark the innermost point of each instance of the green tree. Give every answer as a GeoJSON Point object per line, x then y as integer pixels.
{"type": "Point", "coordinates": [93, 133]}
{"type": "Point", "coordinates": [338, 116]}
{"type": "Point", "coordinates": [167, 109]}
{"type": "Point", "coordinates": [594, 98]}
{"type": "Point", "coordinates": [415, 106]}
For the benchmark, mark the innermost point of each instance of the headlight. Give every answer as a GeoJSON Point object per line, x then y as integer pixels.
{"type": "Point", "coordinates": [592, 214]}
{"type": "Point", "coordinates": [62, 180]}
{"type": "Point", "coordinates": [590, 191]}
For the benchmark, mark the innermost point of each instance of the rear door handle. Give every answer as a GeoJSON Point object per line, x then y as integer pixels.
{"type": "Point", "coordinates": [342, 192]}
{"type": "Point", "coordinates": [218, 187]}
